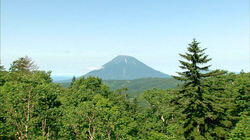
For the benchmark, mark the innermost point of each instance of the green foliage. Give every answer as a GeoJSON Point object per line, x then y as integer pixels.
{"type": "Point", "coordinates": [135, 88]}
{"type": "Point", "coordinates": [72, 81]}
{"type": "Point", "coordinates": [23, 64]}
{"type": "Point", "coordinates": [242, 128]}
{"type": "Point", "coordinates": [138, 86]}
{"type": "Point", "coordinates": [28, 104]}
{"type": "Point", "coordinates": [206, 105]}
{"type": "Point", "coordinates": [92, 111]}
{"type": "Point", "coordinates": [239, 88]}
{"type": "Point", "coordinates": [159, 118]}
{"type": "Point", "coordinates": [200, 103]}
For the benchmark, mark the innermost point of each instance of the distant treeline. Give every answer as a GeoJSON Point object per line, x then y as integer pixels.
{"type": "Point", "coordinates": [210, 105]}
{"type": "Point", "coordinates": [134, 88]}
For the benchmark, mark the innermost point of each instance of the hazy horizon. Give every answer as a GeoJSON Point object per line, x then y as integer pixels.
{"type": "Point", "coordinates": [74, 37]}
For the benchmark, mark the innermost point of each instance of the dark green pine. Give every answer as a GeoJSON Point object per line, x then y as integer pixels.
{"type": "Point", "coordinates": [194, 105]}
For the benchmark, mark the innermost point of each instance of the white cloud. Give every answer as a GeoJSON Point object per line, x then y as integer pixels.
{"type": "Point", "coordinates": [93, 68]}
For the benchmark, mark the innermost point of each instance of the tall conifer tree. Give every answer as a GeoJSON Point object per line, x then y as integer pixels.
{"type": "Point", "coordinates": [200, 114]}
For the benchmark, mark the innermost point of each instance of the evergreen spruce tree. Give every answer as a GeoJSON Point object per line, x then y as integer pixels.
{"type": "Point", "coordinates": [202, 115]}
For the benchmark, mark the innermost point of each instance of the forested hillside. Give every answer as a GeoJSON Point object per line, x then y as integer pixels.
{"type": "Point", "coordinates": [211, 105]}
{"type": "Point", "coordinates": [134, 88]}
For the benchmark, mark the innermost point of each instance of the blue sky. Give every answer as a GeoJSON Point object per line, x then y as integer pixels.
{"type": "Point", "coordinates": [72, 37]}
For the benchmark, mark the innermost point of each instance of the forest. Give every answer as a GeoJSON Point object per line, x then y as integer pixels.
{"type": "Point", "coordinates": [207, 105]}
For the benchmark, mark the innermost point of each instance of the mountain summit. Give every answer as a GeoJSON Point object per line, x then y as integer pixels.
{"type": "Point", "coordinates": [125, 67]}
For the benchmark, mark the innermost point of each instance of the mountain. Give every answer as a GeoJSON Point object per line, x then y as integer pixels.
{"type": "Point", "coordinates": [125, 67]}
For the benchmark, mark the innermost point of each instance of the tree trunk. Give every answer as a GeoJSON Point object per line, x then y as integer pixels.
{"type": "Point", "coordinates": [43, 127]}
{"type": "Point", "coordinates": [91, 134]}
{"type": "Point", "coordinates": [47, 134]}
{"type": "Point", "coordinates": [19, 133]}
{"type": "Point", "coordinates": [108, 134]}
{"type": "Point", "coordinates": [27, 115]}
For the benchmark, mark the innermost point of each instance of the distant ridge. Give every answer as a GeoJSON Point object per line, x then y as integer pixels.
{"type": "Point", "coordinates": [125, 67]}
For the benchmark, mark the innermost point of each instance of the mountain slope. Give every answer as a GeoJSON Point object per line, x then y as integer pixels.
{"type": "Point", "coordinates": [125, 68]}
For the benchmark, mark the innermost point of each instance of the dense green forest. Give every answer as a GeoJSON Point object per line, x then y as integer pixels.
{"type": "Point", "coordinates": [210, 105]}
{"type": "Point", "coordinates": [134, 88]}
